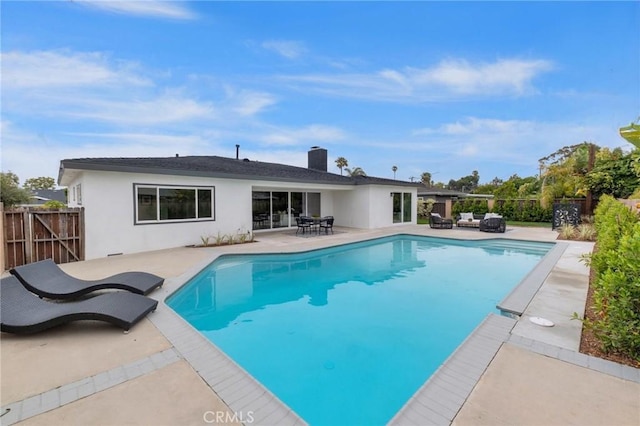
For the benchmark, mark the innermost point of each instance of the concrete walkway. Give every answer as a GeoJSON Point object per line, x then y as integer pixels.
{"type": "Point", "coordinates": [93, 374]}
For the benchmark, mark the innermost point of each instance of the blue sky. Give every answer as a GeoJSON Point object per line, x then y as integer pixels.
{"type": "Point", "coordinates": [439, 87]}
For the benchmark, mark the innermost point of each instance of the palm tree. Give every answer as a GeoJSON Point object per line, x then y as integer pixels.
{"type": "Point", "coordinates": [426, 179]}
{"type": "Point", "coordinates": [395, 169]}
{"type": "Point", "coordinates": [356, 171]}
{"type": "Point", "coordinates": [341, 162]}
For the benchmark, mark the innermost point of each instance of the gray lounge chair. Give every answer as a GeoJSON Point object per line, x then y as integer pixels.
{"type": "Point", "coordinates": [438, 222]}
{"type": "Point", "coordinates": [22, 312]}
{"type": "Point", "coordinates": [493, 224]}
{"type": "Point", "coordinates": [46, 279]}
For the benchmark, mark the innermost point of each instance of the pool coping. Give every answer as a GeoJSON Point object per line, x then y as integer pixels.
{"type": "Point", "coordinates": [437, 401]}
{"type": "Point", "coordinates": [516, 302]}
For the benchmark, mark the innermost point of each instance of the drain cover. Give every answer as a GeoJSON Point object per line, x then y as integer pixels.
{"type": "Point", "coordinates": [541, 321]}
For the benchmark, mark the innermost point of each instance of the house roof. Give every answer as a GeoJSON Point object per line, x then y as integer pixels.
{"type": "Point", "coordinates": [441, 192]}
{"type": "Point", "coordinates": [51, 194]}
{"type": "Point", "coordinates": [219, 167]}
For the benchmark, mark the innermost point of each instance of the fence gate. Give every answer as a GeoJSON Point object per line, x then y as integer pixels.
{"type": "Point", "coordinates": [440, 208]}
{"type": "Point", "coordinates": [36, 234]}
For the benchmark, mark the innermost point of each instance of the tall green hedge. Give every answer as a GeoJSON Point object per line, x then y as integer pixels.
{"type": "Point", "coordinates": [616, 264]}
{"type": "Point", "coordinates": [469, 205]}
{"type": "Point", "coordinates": [517, 210]}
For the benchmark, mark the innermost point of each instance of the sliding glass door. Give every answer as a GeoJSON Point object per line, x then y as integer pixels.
{"type": "Point", "coordinates": [273, 210]}
{"type": "Point", "coordinates": [401, 207]}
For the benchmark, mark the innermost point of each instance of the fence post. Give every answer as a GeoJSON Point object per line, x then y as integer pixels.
{"type": "Point", "coordinates": [3, 240]}
{"type": "Point", "coordinates": [82, 233]}
{"type": "Point", "coordinates": [448, 210]}
{"type": "Point", "coordinates": [28, 236]}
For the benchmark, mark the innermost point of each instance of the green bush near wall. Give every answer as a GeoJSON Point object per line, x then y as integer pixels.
{"type": "Point", "coordinates": [616, 286]}
{"type": "Point", "coordinates": [469, 205]}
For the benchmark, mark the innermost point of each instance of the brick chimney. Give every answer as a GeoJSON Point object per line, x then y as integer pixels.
{"type": "Point", "coordinates": [317, 159]}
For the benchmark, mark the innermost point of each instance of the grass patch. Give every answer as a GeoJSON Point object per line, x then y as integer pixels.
{"type": "Point", "coordinates": [530, 224]}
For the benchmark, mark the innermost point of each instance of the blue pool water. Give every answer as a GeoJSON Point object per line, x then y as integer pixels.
{"type": "Point", "coordinates": [346, 335]}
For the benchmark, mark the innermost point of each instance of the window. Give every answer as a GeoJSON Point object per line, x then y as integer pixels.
{"type": "Point", "coordinates": [173, 203]}
{"type": "Point", "coordinates": [79, 193]}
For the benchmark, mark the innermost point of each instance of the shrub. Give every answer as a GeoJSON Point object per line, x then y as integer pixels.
{"type": "Point", "coordinates": [616, 287]}
{"type": "Point", "coordinates": [567, 231]}
{"type": "Point", "coordinates": [425, 207]}
{"type": "Point", "coordinates": [53, 204]}
{"type": "Point", "coordinates": [470, 205]}
{"type": "Point", "coordinates": [586, 232]}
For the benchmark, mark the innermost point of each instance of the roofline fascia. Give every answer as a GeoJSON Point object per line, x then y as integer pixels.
{"type": "Point", "coordinates": [70, 165]}
{"type": "Point", "coordinates": [73, 165]}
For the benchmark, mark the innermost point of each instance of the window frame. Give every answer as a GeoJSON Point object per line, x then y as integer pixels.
{"type": "Point", "coordinates": [157, 188]}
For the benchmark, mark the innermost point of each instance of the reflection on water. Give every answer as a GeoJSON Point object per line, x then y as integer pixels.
{"type": "Point", "coordinates": [234, 285]}
{"type": "Point", "coordinates": [237, 284]}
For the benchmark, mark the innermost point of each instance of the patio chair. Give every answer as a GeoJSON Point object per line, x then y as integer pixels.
{"type": "Point", "coordinates": [302, 224]}
{"type": "Point", "coordinates": [327, 224]}
{"type": "Point", "coordinates": [438, 222]}
{"type": "Point", "coordinates": [46, 279]}
{"type": "Point", "coordinates": [22, 312]}
{"type": "Point", "coordinates": [493, 224]}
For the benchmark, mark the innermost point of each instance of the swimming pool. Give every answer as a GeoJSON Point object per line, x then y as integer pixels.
{"type": "Point", "coordinates": [347, 334]}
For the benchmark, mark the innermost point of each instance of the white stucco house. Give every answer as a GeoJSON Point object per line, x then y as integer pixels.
{"type": "Point", "coordinates": [142, 204]}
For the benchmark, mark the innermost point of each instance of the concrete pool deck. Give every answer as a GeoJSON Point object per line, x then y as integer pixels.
{"type": "Point", "coordinates": [93, 374]}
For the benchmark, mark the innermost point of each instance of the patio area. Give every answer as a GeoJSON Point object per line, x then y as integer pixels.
{"type": "Point", "coordinates": [509, 371]}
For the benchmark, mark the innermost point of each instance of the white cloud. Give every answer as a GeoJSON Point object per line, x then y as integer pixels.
{"type": "Point", "coordinates": [310, 134]}
{"type": "Point", "coordinates": [94, 87]}
{"type": "Point", "coordinates": [149, 8]}
{"type": "Point", "coordinates": [287, 48]}
{"type": "Point", "coordinates": [55, 69]}
{"type": "Point", "coordinates": [510, 76]}
{"type": "Point", "coordinates": [248, 102]}
{"type": "Point", "coordinates": [450, 79]}
{"type": "Point", "coordinates": [166, 108]}
{"type": "Point", "coordinates": [515, 141]}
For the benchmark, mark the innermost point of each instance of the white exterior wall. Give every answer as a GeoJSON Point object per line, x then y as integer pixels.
{"type": "Point", "coordinates": [109, 202]}
{"type": "Point", "coordinates": [371, 206]}
{"type": "Point", "coordinates": [108, 199]}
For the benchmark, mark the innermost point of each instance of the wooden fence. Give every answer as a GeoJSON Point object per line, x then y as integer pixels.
{"type": "Point", "coordinates": [440, 208]}
{"type": "Point", "coordinates": [30, 235]}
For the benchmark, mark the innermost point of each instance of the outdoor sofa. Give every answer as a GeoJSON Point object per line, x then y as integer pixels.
{"type": "Point", "coordinates": [46, 279]}
{"type": "Point", "coordinates": [493, 223]}
{"type": "Point", "coordinates": [469, 220]}
{"type": "Point", "coordinates": [438, 222]}
{"type": "Point", "coordinates": [22, 312]}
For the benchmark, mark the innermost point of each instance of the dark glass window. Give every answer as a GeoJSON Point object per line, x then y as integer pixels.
{"type": "Point", "coordinates": [163, 203]}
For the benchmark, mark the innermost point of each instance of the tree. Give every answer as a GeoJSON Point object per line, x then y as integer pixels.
{"type": "Point", "coordinates": [341, 162]}
{"type": "Point", "coordinates": [517, 187]}
{"type": "Point", "coordinates": [466, 183]}
{"type": "Point", "coordinates": [425, 178]}
{"type": "Point", "coordinates": [10, 192]}
{"type": "Point", "coordinates": [39, 183]}
{"type": "Point", "coordinates": [614, 173]}
{"type": "Point", "coordinates": [564, 175]}
{"type": "Point", "coordinates": [356, 171]}
{"type": "Point", "coordinates": [394, 169]}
